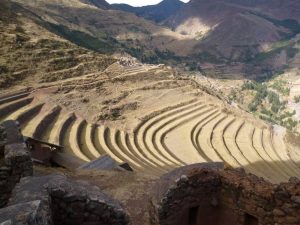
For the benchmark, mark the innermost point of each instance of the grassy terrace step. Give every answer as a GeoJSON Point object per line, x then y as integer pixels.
{"type": "Point", "coordinates": [25, 114]}
{"type": "Point", "coordinates": [37, 126]}
{"type": "Point", "coordinates": [202, 140]}
{"type": "Point", "coordinates": [143, 139]}
{"type": "Point", "coordinates": [286, 166]}
{"type": "Point", "coordinates": [279, 144]}
{"type": "Point", "coordinates": [135, 150]}
{"type": "Point", "coordinates": [84, 140]}
{"type": "Point", "coordinates": [219, 145]}
{"type": "Point", "coordinates": [97, 142]}
{"type": "Point", "coordinates": [122, 143]}
{"type": "Point", "coordinates": [71, 72]}
{"type": "Point", "coordinates": [88, 140]}
{"type": "Point", "coordinates": [257, 142]}
{"type": "Point", "coordinates": [59, 128]}
{"type": "Point", "coordinates": [102, 133]}
{"type": "Point", "coordinates": [73, 142]}
{"type": "Point", "coordinates": [10, 107]}
{"type": "Point", "coordinates": [88, 81]}
{"type": "Point", "coordinates": [281, 150]}
{"type": "Point", "coordinates": [156, 133]}
{"type": "Point", "coordinates": [13, 97]}
{"type": "Point", "coordinates": [135, 70]}
{"type": "Point", "coordinates": [266, 140]}
{"type": "Point", "coordinates": [230, 135]}
{"type": "Point", "coordinates": [186, 121]}
{"type": "Point", "coordinates": [244, 143]}
{"type": "Point", "coordinates": [111, 143]}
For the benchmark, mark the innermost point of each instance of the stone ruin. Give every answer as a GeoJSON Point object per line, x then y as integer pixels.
{"type": "Point", "coordinates": [54, 199]}
{"type": "Point", "coordinates": [213, 196]}
{"type": "Point", "coordinates": [200, 194]}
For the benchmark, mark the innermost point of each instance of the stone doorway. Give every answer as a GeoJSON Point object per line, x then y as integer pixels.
{"type": "Point", "coordinates": [193, 215]}
{"type": "Point", "coordinates": [250, 220]}
{"type": "Point", "coordinates": [207, 214]}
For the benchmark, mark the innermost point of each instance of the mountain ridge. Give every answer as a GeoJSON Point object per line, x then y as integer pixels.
{"type": "Point", "coordinates": [98, 3]}
{"type": "Point", "coordinates": [156, 13]}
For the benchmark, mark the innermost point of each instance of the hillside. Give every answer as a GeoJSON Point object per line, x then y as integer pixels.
{"type": "Point", "coordinates": [109, 31]}
{"type": "Point", "coordinates": [253, 33]}
{"type": "Point", "coordinates": [30, 54]}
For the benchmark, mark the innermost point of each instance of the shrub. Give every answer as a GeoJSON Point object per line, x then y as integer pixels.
{"type": "Point", "coordinates": [279, 85]}
{"type": "Point", "coordinates": [297, 99]}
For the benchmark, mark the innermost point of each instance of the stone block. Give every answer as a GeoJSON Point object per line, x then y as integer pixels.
{"type": "Point", "coordinates": [29, 213]}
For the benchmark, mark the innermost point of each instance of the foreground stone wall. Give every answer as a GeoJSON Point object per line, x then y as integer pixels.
{"type": "Point", "coordinates": [15, 160]}
{"type": "Point", "coordinates": [226, 197]}
{"type": "Point", "coordinates": [59, 200]}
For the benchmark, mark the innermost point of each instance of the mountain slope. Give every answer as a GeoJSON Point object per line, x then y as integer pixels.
{"type": "Point", "coordinates": [30, 54]}
{"type": "Point", "coordinates": [230, 37]}
{"type": "Point", "coordinates": [157, 13]}
{"type": "Point", "coordinates": [240, 31]}
{"type": "Point", "coordinates": [109, 31]}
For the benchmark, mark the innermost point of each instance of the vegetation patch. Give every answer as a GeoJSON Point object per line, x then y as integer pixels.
{"type": "Point", "coordinates": [268, 105]}
{"type": "Point", "coordinates": [280, 86]}
{"type": "Point", "coordinates": [293, 138]}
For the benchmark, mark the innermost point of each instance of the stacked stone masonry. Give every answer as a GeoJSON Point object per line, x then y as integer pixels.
{"type": "Point", "coordinates": [15, 160]}
{"type": "Point", "coordinates": [227, 197]}
{"type": "Point", "coordinates": [61, 201]}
